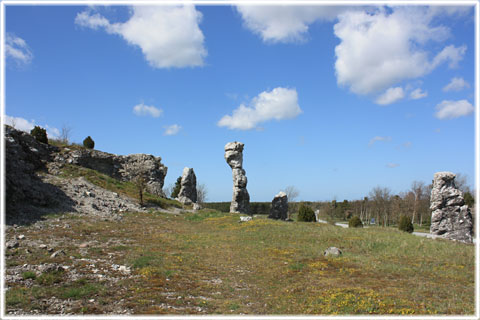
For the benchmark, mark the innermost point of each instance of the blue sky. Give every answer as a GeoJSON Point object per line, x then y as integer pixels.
{"type": "Point", "coordinates": [331, 100]}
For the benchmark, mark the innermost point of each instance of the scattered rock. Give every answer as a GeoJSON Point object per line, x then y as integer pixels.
{"type": "Point", "coordinates": [12, 244]}
{"type": "Point", "coordinates": [245, 219]}
{"type": "Point", "coordinates": [234, 157]}
{"type": "Point", "coordinates": [451, 218]}
{"type": "Point", "coordinates": [83, 245]}
{"type": "Point", "coordinates": [188, 189]}
{"type": "Point", "coordinates": [21, 237]}
{"type": "Point", "coordinates": [279, 209]}
{"type": "Point", "coordinates": [57, 253]}
{"type": "Point", "coordinates": [332, 251]}
{"type": "Point", "coordinates": [42, 246]}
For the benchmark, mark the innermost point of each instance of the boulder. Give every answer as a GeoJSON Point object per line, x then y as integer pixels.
{"type": "Point", "coordinates": [234, 157]}
{"type": "Point", "coordinates": [332, 251]}
{"type": "Point", "coordinates": [279, 209]}
{"type": "Point", "coordinates": [451, 218]}
{"type": "Point", "coordinates": [188, 187]}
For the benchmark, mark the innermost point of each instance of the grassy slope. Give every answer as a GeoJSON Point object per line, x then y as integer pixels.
{"type": "Point", "coordinates": [208, 262]}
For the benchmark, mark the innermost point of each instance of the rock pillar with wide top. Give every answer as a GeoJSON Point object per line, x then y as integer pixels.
{"type": "Point", "coordinates": [234, 157]}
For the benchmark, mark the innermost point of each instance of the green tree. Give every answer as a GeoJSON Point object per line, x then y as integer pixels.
{"type": "Point", "coordinates": [355, 222]}
{"type": "Point", "coordinates": [469, 199]}
{"type": "Point", "coordinates": [305, 213]}
{"type": "Point", "coordinates": [39, 134]}
{"type": "Point", "coordinates": [88, 143]}
{"type": "Point", "coordinates": [176, 189]}
{"type": "Point", "coordinates": [405, 224]}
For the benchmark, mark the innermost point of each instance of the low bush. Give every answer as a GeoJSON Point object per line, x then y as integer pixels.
{"type": "Point", "coordinates": [305, 213]}
{"type": "Point", "coordinates": [88, 143]}
{"type": "Point", "coordinates": [405, 224]}
{"type": "Point", "coordinates": [355, 222]}
{"type": "Point", "coordinates": [39, 134]}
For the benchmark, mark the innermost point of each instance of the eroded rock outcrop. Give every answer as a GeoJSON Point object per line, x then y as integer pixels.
{"type": "Point", "coordinates": [234, 157]}
{"type": "Point", "coordinates": [188, 189]}
{"type": "Point", "coordinates": [124, 168]}
{"type": "Point", "coordinates": [451, 218]}
{"type": "Point", "coordinates": [279, 209]}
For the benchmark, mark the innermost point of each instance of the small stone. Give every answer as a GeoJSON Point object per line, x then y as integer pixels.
{"type": "Point", "coordinates": [83, 245]}
{"type": "Point", "coordinates": [245, 219]}
{"type": "Point", "coordinates": [21, 237]}
{"type": "Point", "coordinates": [43, 246]}
{"type": "Point", "coordinates": [332, 251]}
{"type": "Point", "coordinates": [12, 244]}
{"type": "Point", "coordinates": [91, 300]}
{"type": "Point", "coordinates": [57, 253]}
{"type": "Point", "coordinates": [50, 249]}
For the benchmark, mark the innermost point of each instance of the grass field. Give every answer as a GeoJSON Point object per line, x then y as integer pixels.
{"type": "Point", "coordinates": [209, 263]}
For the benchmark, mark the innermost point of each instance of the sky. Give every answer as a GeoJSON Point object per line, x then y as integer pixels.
{"type": "Point", "coordinates": [333, 100]}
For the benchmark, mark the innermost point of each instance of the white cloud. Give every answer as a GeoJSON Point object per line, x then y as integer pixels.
{"type": "Point", "coordinates": [456, 84]}
{"type": "Point", "coordinates": [144, 110]}
{"type": "Point", "coordinates": [380, 49]}
{"type": "Point", "coordinates": [418, 94]}
{"type": "Point", "coordinates": [17, 49]}
{"type": "Point", "coordinates": [26, 126]}
{"type": "Point", "coordinates": [169, 36]}
{"type": "Point", "coordinates": [284, 23]}
{"type": "Point", "coordinates": [390, 96]}
{"type": "Point", "coordinates": [448, 109]}
{"type": "Point", "coordinates": [172, 130]}
{"type": "Point", "coordinates": [280, 103]}
{"type": "Point", "coordinates": [392, 165]}
{"type": "Point", "coordinates": [407, 144]}
{"type": "Point", "coordinates": [378, 138]}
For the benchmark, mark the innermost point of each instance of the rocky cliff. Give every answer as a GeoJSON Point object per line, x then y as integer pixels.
{"type": "Point", "coordinates": [33, 185]}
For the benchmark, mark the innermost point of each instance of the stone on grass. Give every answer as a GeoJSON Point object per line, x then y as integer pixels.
{"type": "Point", "coordinates": [332, 251]}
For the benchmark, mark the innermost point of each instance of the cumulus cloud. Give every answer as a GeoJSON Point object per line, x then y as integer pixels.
{"type": "Point", "coordinates": [390, 96]}
{"type": "Point", "coordinates": [456, 84]}
{"type": "Point", "coordinates": [169, 36]}
{"type": "Point", "coordinates": [27, 125]}
{"type": "Point", "coordinates": [17, 49]}
{"type": "Point", "coordinates": [380, 49]}
{"type": "Point", "coordinates": [448, 109]}
{"type": "Point", "coordinates": [144, 110]}
{"type": "Point", "coordinates": [279, 104]}
{"type": "Point", "coordinates": [172, 130]}
{"type": "Point", "coordinates": [284, 23]}
{"type": "Point", "coordinates": [378, 138]}
{"type": "Point", "coordinates": [418, 94]}
{"type": "Point", "coordinates": [392, 165]}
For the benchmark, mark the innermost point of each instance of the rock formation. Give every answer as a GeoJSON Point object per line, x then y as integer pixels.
{"type": "Point", "coordinates": [451, 218]}
{"type": "Point", "coordinates": [234, 157]}
{"type": "Point", "coordinates": [279, 208]}
{"type": "Point", "coordinates": [34, 185]}
{"type": "Point", "coordinates": [124, 168]}
{"type": "Point", "coordinates": [188, 189]}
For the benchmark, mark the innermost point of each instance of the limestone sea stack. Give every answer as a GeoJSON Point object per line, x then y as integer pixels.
{"type": "Point", "coordinates": [279, 208]}
{"type": "Point", "coordinates": [188, 187]}
{"type": "Point", "coordinates": [234, 157]}
{"type": "Point", "coordinates": [451, 218]}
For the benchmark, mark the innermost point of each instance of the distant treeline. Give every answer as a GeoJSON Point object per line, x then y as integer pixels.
{"type": "Point", "coordinates": [255, 207]}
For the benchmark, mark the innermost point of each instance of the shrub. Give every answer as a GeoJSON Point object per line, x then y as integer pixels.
{"type": "Point", "coordinates": [39, 134]}
{"type": "Point", "coordinates": [305, 213]}
{"type": "Point", "coordinates": [176, 189]}
{"type": "Point", "coordinates": [355, 222]}
{"type": "Point", "coordinates": [29, 275]}
{"type": "Point", "coordinates": [88, 143]}
{"type": "Point", "coordinates": [405, 224]}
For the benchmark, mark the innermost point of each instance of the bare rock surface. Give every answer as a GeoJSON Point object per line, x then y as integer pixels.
{"type": "Point", "coordinates": [451, 218]}
{"type": "Point", "coordinates": [279, 209]}
{"type": "Point", "coordinates": [188, 187]}
{"type": "Point", "coordinates": [234, 157]}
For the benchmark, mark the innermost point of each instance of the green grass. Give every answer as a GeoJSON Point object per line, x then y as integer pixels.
{"type": "Point", "coordinates": [29, 275]}
{"type": "Point", "coordinates": [122, 187]}
{"type": "Point", "coordinates": [209, 260]}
